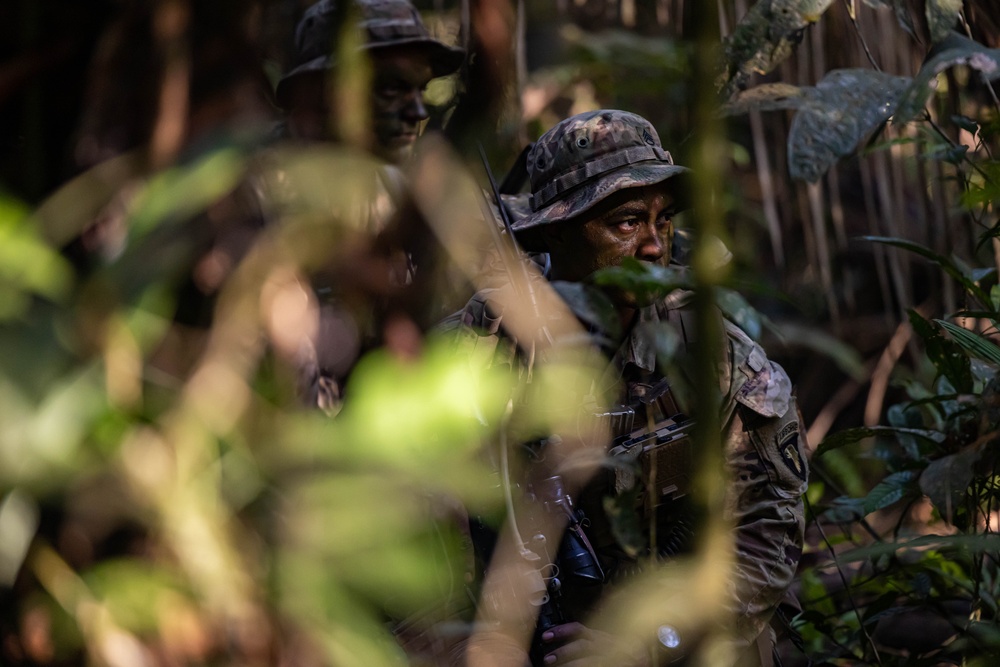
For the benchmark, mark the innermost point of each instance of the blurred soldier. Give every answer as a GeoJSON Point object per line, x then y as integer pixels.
{"type": "Point", "coordinates": [603, 190]}
{"type": "Point", "coordinates": [383, 292]}
{"type": "Point", "coordinates": [404, 59]}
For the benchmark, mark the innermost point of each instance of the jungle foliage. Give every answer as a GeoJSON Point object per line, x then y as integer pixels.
{"type": "Point", "coordinates": [165, 500]}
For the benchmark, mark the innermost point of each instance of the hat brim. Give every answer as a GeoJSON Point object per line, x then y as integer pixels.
{"type": "Point", "coordinates": [444, 60]}
{"type": "Point", "coordinates": [585, 196]}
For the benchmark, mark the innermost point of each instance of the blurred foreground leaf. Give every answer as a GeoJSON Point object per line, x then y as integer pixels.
{"type": "Point", "coordinates": [29, 267]}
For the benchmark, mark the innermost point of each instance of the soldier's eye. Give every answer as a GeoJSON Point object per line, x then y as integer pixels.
{"type": "Point", "coordinates": [391, 88]}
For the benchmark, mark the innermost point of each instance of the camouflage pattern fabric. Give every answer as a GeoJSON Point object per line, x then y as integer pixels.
{"type": "Point", "coordinates": [584, 159]}
{"type": "Point", "coordinates": [386, 23]}
{"type": "Point", "coordinates": [765, 452]}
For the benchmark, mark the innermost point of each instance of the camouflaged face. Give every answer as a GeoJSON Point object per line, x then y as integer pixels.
{"type": "Point", "coordinates": [387, 23]}
{"type": "Point", "coordinates": [587, 157]}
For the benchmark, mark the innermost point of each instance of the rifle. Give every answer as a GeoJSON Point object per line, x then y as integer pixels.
{"type": "Point", "coordinates": [541, 571]}
{"type": "Point", "coordinates": [511, 256]}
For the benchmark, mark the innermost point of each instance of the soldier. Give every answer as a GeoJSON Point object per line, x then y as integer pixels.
{"type": "Point", "coordinates": [404, 59]}
{"type": "Point", "coordinates": [604, 189]}
{"type": "Point", "coordinates": [386, 291]}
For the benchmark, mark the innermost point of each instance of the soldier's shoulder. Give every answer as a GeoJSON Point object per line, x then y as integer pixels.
{"type": "Point", "coordinates": [757, 382]}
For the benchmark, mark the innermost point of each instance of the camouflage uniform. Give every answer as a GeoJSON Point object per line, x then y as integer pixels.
{"type": "Point", "coordinates": [574, 166]}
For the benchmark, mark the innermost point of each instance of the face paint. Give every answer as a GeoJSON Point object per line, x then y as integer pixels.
{"type": "Point", "coordinates": [631, 223]}
{"type": "Point", "coordinates": [397, 100]}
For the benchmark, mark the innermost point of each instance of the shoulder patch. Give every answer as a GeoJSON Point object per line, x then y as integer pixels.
{"type": "Point", "coordinates": [788, 448]}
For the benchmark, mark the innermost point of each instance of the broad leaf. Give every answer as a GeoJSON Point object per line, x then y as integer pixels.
{"type": "Point", "coordinates": [643, 280]}
{"type": "Point", "coordinates": [947, 356]}
{"type": "Point", "coordinates": [891, 490]}
{"type": "Point", "coordinates": [946, 480]}
{"type": "Point", "coordinates": [959, 51]}
{"type": "Point", "coordinates": [843, 109]}
{"type": "Point", "coordinates": [903, 416]}
{"type": "Point", "coordinates": [29, 266]}
{"type": "Point", "coordinates": [972, 342]}
{"type": "Point", "coordinates": [850, 436]}
{"type": "Point", "coordinates": [181, 192]}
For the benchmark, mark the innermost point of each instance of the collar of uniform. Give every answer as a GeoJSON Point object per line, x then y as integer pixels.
{"type": "Point", "coordinates": [639, 347]}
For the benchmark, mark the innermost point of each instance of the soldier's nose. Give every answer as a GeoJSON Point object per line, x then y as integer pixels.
{"type": "Point", "coordinates": [651, 248]}
{"type": "Point", "coordinates": [416, 111]}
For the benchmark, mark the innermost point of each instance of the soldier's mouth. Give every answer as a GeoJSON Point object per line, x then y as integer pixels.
{"type": "Point", "coordinates": [402, 139]}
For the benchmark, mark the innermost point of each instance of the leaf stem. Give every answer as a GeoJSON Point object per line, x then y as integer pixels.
{"type": "Point", "coordinates": [861, 38]}
{"type": "Point", "coordinates": [843, 580]}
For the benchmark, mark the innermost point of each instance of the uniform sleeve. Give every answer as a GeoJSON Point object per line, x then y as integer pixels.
{"type": "Point", "coordinates": [769, 473]}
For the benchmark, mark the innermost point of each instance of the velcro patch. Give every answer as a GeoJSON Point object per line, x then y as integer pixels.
{"type": "Point", "coordinates": [788, 448]}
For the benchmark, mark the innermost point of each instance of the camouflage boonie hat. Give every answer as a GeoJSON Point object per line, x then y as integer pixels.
{"type": "Point", "coordinates": [586, 158]}
{"type": "Point", "coordinates": [387, 23]}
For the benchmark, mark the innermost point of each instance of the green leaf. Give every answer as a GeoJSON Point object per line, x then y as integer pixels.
{"type": "Point", "coordinates": [181, 192]}
{"type": "Point", "coordinates": [958, 51]}
{"type": "Point", "coordinates": [843, 109]}
{"type": "Point", "coordinates": [948, 357]}
{"type": "Point", "coordinates": [972, 342]}
{"type": "Point", "coordinates": [19, 517]}
{"type": "Point", "coordinates": [902, 415]}
{"type": "Point", "coordinates": [961, 544]}
{"type": "Point", "coordinates": [850, 436]}
{"type": "Point", "coordinates": [134, 591]}
{"type": "Point", "coordinates": [946, 480]}
{"type": "Point", "coordinates": [28, 265]}
{"type": "Point", "coordinates": [942, 15]}
{"type": "Point", "coordinates": [945, 263]}
{"type": "Point", "coordinates": [890, 490]}
{"type": "Point", "coordinates": [983, 190]}
{"type": "Point", "coordinates": [643, 280]}
{"type": "Point", "coordinates": [737, 309]}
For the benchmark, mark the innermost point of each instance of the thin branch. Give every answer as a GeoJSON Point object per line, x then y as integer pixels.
{"type": "Point", "coordinates": [847, 586]}
{"type": "Point", "coordinates": [864, 44]}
